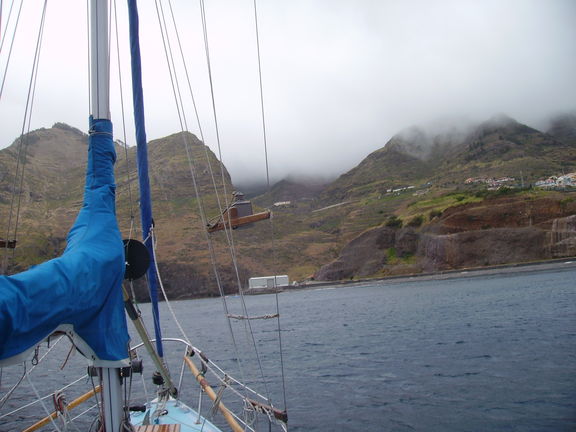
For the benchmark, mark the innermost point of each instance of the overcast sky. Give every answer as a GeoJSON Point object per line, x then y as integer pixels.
{"type": "Point", "coordinates": [340, 78]}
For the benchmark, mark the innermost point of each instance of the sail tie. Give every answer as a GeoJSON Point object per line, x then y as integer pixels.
{"type": "Point", "coordinates": [93, 131]}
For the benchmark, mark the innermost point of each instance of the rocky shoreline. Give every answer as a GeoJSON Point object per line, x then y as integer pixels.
{"type": "Point", "coordinates": [548, 265]}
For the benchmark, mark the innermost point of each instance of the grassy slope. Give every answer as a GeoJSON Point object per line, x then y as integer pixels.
{"type": "Point", "coordinates": [304, 239]}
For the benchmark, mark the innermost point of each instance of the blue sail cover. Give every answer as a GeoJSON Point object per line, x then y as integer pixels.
{"type": "Point", "coordinates": [81, 291]}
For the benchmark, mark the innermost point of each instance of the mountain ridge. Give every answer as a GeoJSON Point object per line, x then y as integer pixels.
{"type": "Point", "coordinates": [418, 173]}
{"type": "Point", "coordinates": [498, 146]}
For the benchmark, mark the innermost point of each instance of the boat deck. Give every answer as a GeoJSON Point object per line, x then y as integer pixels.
{"type": "Point", "coordinates": [176, 417]}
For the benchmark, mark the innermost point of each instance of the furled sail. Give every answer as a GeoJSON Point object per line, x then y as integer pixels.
{"type": "Point", "coordinates": [80, 292]}
{"type": "Point", "coordinates": [142, 164]}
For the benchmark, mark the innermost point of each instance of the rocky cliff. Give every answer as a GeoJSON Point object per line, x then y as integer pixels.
{"type": "Point", "coordinates": [495, 231]}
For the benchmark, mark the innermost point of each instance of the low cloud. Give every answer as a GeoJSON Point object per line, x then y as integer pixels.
{"type": "Point", "coordinates": [341, 78]}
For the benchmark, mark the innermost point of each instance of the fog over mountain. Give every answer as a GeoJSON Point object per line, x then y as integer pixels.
{"type": "Point", "coordinates": [340, 78]}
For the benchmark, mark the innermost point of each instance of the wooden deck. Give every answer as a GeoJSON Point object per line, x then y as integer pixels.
{"type": "Point", "coordinates": [158, 428]}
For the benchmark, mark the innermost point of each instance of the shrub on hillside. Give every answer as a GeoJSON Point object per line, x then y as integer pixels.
{"type": "Point", "coordinates": [416, 221]}
{"type": "Point", "coordinates": [394, 222]}
{"type": "Point", "coordinates": [434, 213]}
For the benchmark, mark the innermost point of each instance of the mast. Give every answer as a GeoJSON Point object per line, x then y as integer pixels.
{"type": "Point", "coordinates": [100, 110]}
{"type": "Point", "coordinates": [99, 60]}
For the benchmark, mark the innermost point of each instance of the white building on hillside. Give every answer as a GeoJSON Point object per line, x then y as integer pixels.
{"type": "Point", "coordinates": [268, 282]}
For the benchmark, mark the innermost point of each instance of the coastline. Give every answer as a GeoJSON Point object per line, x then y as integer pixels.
{"type": "Point", "coordinates": [527, 267]}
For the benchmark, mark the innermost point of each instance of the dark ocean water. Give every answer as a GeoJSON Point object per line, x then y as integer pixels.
{"type": "Point", "coordinates": [489, 353]}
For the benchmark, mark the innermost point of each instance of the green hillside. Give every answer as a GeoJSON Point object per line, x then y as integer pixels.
{"type": "Point", "coordinates": [498, 147]}
{"type": "Point", "coordinates": [415, 180]}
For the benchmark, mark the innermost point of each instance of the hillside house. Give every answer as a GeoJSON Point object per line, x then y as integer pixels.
{"type": "Point", "coordinates": [268, 282]}
{"type": "Point", "coordinates": [560, 182]}
{"type": "Point", "coordinates": [282, 203]}
{"type": "Point", "coordinates": [493, 183]}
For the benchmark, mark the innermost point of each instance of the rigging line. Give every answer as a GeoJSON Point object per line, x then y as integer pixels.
{"type": "Point", "coordinates": [11, 47]}
{"type": "Point", "coordinates": [280, 347]}
{"type": "Point", "coordinates": [256, 317]}
{"type": "Point", "coordinates": [6, 397]}
{"type": "Point", "coordinates": [177, 92]}
{"type": "Point", "coordinates": [273, 236]}
{"type": "Point", "coordinates": [28, 405]}
{"type": "Point", "coordinates": [6, 24]}
{"type": "Point", "coordinates": [213, 100]}
{"type": "Point", "coordinates": [179, 102]}
{"type": "Point", "coordinates": [23, 144]}
{"type": "Point", "coordinates": [202, 213]}
{"type": "Point", "coordinates": [190, 159]}
{"type": "Point", "coordinates": [228, 232]}
{"type": "Point", "coordinates": [228, 229]}
{"type": "Point", "coordinates": [155, 313]}
{"type": "Point", "coordinates": [183, 59]}
{"type": "Point", "coordinates": [217, 273]}
{"type": "Point", "coordinates": [210, 245]}
{"type": "Point", "coordinates": [29, 120]}
{"type": "Point", "coordinates": [217, 131]}
{"type": "Point", "coordinates": [215, 269]}
{"type": "Point", "coordinates": [181, 378]}
{"type": "Point", "coordinates": [224, 304]}
{"type": "Point", "coordinates": [216, 371]}
{"type": "Point", "coordinates": [203, 220]}
{"type": "Point", "coordinates": [48, 413]}
{"type": "Point", "coordinates": [186, 71]}
{"type": "Point", "coordinates": [23, 407]}
{"type": "Point", "coordinates": [122, 109]}
{"type": "Point", "coordinates": [176, 80]}
{"type": "Point", "coordinates": [215, 117]}
{"type": "Point", "coordinates": [168, 304]}
{"type": "Point", "coordinates": [38, 400]}
{"type": "Point", "coordinates": [178, 98]}
{"type": "Point", "coordinates": [201, 133]}
{"type": "Point", "coordinates": [99, 402]}
{"type": "Point", "coordinates": [163, 30]}
{"type": "Point", "coordinates": [83, 413]}
{"type": "Point", "coordinates": [70, 419]}
{"type": "Point", "coordinates": [262, 111]}
{"type": "Point", "coordinates": [172, 72]}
